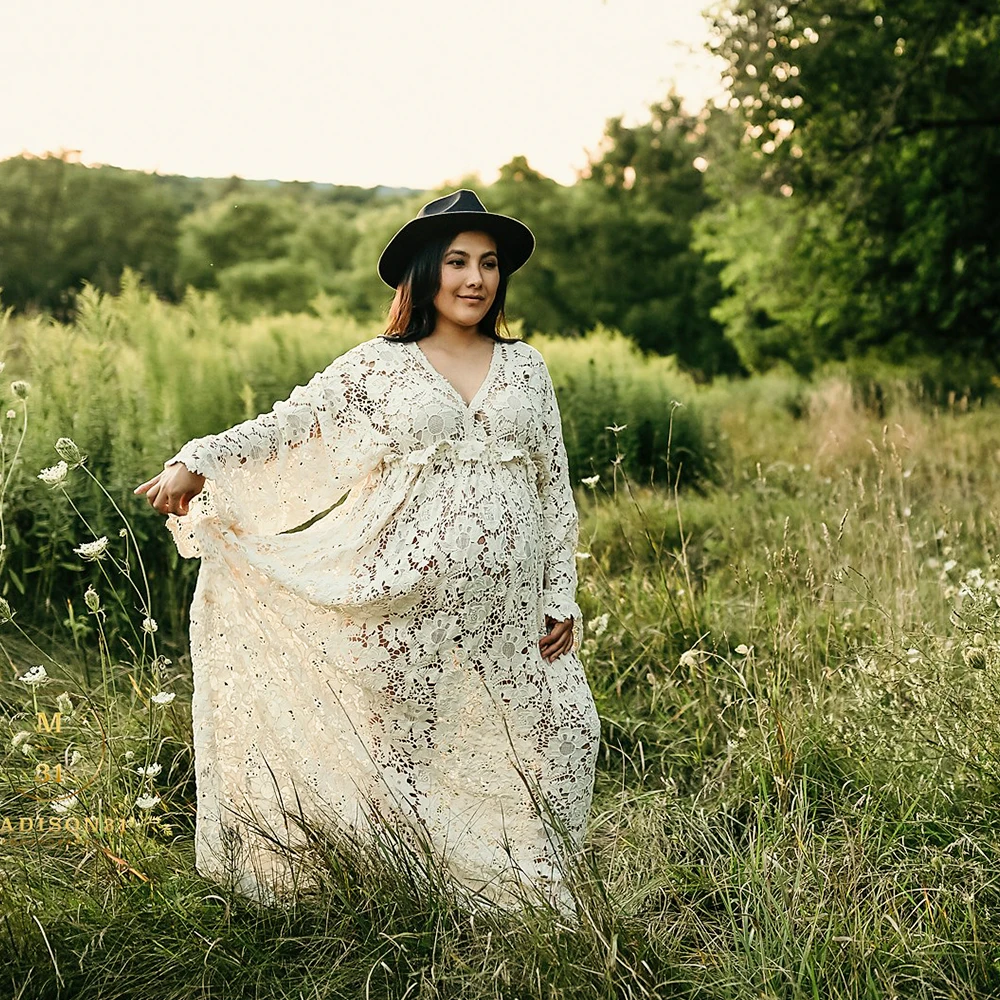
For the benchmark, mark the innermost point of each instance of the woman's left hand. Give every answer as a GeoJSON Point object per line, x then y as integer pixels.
{"type": "Point", "coordinates": [558, 640]}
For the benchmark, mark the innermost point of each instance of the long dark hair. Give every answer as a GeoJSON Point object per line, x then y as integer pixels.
{"type": "Point", "coordinates": [412, 314]}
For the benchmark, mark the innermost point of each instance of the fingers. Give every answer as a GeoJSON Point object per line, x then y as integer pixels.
{"type": "Point", "coordinates": [143, 487]}
{"type": "Point", "coordinates": [558, 641]}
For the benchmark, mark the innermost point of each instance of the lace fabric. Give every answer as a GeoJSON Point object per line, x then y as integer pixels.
{"type": "Point", "coordinates": [386, 655]}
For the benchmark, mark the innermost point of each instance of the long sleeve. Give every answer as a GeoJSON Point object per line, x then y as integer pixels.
{"type": "Point", "coordinates": [561, 518]}
{"type": "Point", "coordinates": [275, 472]}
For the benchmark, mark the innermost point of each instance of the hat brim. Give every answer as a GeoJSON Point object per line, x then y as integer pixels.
{"type": "Point", "coordinates": [515, 240]}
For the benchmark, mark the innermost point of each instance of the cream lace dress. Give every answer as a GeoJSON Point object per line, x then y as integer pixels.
{"type": "Point", "coordinates": [385, 658]}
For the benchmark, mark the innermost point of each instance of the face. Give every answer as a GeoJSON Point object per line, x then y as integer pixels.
{"type": "Point", "coordinates": [470, 275]}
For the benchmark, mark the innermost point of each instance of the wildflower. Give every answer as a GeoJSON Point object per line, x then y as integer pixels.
{"type": "Point", "coordinates": [590, 481]}
{"type": "Point", "coordinates": [600, 623]}
{"type": "Point", "coordinates": [77, 756]}
{"type": "Point", "coordinates": [950, 565]}
{"type": "Point", "coordinates": [20, 389]}
{"type": "Point", "coordinates": [92, 550]}
{"type": "Point", "coordinates": [149, 772]}
{"type": "Point", "coordinates": [67, 449]}
{"type": "Point", "coordinates": [54, 476]}
{"type": "Point", "coordinates": [690, 658]}
{"type": "Point", "coordinates": [64, 703]}
{"type": "Point", "coordinates": [163, 698]}
{"type": "Point", "coordinates": [913, 655]}
{"type": "Point", "coordinates": [583, 555]}
{"type": "Point", "coordinates": [975, 657]}
{"type": "Point", "coordinates": [21, 737]}
{"type": "Point", "coordinates": [147, 801]}
{"type": "Point", "coordinates": [92, 599]}
{"type": "Point", "coordinates": [122, 532]}
{"type": "Point", "coordinates": [149, 625]}
{"type": "Point", "coordinates": [743, 649]}
{"type": "Point", "coordinates": [129, 754]}
{"type": "Point", "coordinates": [64, 803]}
{"type": "Point", "coordinates": [6, 612]}
{"type": "Point", "coordinates": [11, 414]}
{"type": "Point", "coordinates": [615, 428]}
{"type": "Point", "coordinates": [36, 675]}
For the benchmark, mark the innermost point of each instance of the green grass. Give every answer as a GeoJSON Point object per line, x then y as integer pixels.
{"type": "Point", "coordinates": [798, 677]}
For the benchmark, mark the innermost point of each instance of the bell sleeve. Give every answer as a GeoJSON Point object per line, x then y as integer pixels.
{"type": "Point", "coordinates": [277, 471]}
{"type": "Point", "coordinates": [560, 516]}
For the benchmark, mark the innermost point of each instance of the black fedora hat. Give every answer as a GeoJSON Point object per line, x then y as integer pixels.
{"type": "Point", "coordinates": [453, 212]}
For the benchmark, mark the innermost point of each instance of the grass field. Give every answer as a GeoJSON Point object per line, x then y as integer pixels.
{"type": "Point", "coordinates": [796, 665]}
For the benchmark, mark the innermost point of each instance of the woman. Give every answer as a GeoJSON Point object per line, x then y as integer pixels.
{"type": "Point", "coordinates": [386, 658]}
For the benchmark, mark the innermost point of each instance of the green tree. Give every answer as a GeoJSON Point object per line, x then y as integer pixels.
{"type": "Point", "coordinates": [62, 223]}
{"type": "Point", "coordinates": [857, 214]}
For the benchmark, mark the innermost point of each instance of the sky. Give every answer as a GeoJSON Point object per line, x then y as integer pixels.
{"type": "Point", "coordinates": [405, 93]}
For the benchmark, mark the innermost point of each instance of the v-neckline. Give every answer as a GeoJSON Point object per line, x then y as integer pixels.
{"type": "Point", "coordinates": [487, 378]}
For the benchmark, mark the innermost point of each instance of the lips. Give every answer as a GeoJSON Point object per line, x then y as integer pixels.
{"type": "Point", "coordinates": [472, 298]}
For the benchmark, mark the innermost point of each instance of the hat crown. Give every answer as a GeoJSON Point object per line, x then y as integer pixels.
{"type": "Point", "coordinates": [462, 200]}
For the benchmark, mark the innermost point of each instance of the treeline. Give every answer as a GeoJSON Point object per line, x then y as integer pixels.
{"type": "Point", "coordinates": [841, 206]}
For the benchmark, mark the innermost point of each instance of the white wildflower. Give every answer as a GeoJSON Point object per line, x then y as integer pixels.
{"type": "Point", "coordinates": [63, 803]}
{"type": "Point", "coordinates": [163, 698]}
{"type": "Point", "coordinates": [93, 550]}
{"type": "Point", "coordinates": [129, 754]}
{"type": "Point", "coordinates": [75, 758]}
{"type": "Point", "coordinates": [22, 737]}
{"type": "Point", "coordinates": [11, 414]}
{"type": "Point", "coordinates": [583, 555]}
{"type": "Point", "coordinates": [6, 612]}
{"type": "Point", "coordinates": [615, 428]}
{"type": "Point", "coordinates": [64, 704]}
{"type": "Point", "coordinates": [20, 389]}
{"type": "Point", "coordinates": [690, 658]}
{"type": "Point", "coordinates": [600, 623]}
{"type": "Point", "coordinates": [950, 565]}
{"type": "Point", "coordinates": [149, 772]}
{"type": "Point", "coordinates": [590, 480]}
{"type": "Point", "coordinates": [913, 655]}
{"type": "Point", "coordinates": [149, 625]}
{"type": "Point", "coordinates": [36, 675]}
{"type": "Point", "coordinates": [54, 476]}
{"type": "Point", "coordinates": [147, 801]}
{"type": "Point", "coordinates": [92, 599]}
{"type": "Point", "coordinates": [743, 649]}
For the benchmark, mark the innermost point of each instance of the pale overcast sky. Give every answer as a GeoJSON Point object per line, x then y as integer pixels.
{"type": "Point", "coordinates": [412, 93]}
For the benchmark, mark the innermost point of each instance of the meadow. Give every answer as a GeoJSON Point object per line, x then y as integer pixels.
{"type": "Point", "coordinates": [790, 596]}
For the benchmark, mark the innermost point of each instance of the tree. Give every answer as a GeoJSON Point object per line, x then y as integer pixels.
{"type": "Point", "coordinates": [868, 166]}
{"type": "Point", "coordinates": [62, 223]}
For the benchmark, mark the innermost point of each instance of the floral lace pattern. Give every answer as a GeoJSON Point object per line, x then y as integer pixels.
{"type": "Point", "coordinates": [386, 656]}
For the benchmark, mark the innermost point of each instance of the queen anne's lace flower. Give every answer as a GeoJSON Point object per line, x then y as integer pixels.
{"type": "Point", "coordinates": [36, 675]}
{"type": "Point", "coordinates": [92, 550]}
{"type": "Point", "coordinates": [163, 698]}
{"type": "Point", "coordinates": [365, 655]}
{"type": "Point", "coordinates": [54, 476]}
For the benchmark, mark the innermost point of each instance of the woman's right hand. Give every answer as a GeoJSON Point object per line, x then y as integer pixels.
{"type": "Point", "coordinates": [171, 490]}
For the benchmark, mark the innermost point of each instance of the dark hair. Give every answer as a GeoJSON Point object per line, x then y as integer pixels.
{"type": "Point", "coordinates": [412, 314]}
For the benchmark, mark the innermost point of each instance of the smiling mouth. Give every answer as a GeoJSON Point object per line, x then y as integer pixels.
{"type": "Point", "coordinates": [472, 298]}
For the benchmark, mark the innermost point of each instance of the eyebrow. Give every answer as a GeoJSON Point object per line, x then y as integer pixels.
{"type": "Point", "coordinates": [465, 253]}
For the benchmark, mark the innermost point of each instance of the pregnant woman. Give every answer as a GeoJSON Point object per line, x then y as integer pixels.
{"type": "Point", "coordinates": [412, 652]}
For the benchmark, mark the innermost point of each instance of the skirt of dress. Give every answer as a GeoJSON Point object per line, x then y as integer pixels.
{"type": "Point", "coordinates": [392, 680]}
